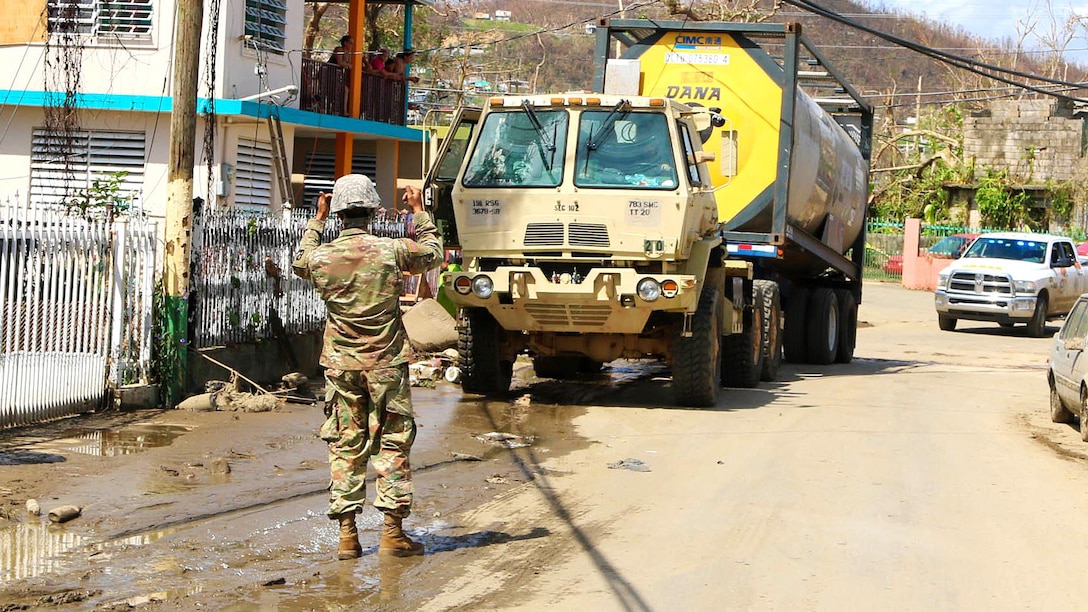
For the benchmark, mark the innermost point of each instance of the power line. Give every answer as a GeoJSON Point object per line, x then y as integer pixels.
{"type": "Point", "coordinates": [964, 63]}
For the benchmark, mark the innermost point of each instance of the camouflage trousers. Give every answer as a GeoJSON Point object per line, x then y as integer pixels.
{"type": "Point", "coordinates": [370, 417]}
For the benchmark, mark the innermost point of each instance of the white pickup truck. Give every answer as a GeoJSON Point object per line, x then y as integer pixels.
{"type": "Point", "coordinates": [1011, 278]}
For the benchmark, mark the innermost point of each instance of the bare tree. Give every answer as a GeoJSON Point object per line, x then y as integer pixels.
{"type": "Point", "coordinates": [751, 11]}
{"type": "Point", "coordinates": [313, 27]}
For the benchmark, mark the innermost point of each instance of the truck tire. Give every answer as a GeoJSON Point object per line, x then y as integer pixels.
{"type": "Point", "coordinates": [1037, 324]}
{"type": "Point", "coordinates": [822, 340]}
{"type": "Point", "coordinates": [796, 326]}
{"type": "Point", "coordinates": [483, 370]}
{"type": "Point", "coordinates": [946, 323]}
{"type": "Point", "coordinates": [1058, 412]}
{"type": "Point", "coordinates": [769, 298]}
{"type": "Point", "coordinates": [848, 325]}
{"type": "Point", "coordinates": [696, 363]}
{"type": "Point", "coordinates": [742, 354]}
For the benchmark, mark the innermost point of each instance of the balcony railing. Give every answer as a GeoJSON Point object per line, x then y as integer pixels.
{"type": "Point", "coordinates": [325, 90]}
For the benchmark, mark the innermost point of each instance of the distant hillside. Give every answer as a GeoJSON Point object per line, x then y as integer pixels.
{"type": "Point", "coordinates": [562, 58]}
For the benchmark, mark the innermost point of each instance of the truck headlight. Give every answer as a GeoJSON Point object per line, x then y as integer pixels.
{"type": "Point", "coordinates": [1023, 286]}
{"type": "Point", "coordinates": [942, 281]}
{"type": "Point", "coordinates": [648, 289]}
{"type": "Point", "coordinates": [482, 287]}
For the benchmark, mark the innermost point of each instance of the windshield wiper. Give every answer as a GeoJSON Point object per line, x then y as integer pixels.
{"type": "Point", "coordinates": [549, 144]}
{"type": "Point", "coordinates": [593, 141]}
{"type": "Point", "coordinates": [549, 141]}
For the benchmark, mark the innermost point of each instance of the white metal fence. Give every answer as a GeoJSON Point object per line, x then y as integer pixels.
{"type": "Point", "coordinates": [75, 309]}
{"type": "Point", "coordinates": [236, 293]}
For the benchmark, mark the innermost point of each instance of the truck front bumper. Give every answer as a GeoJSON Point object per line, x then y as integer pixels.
{"type": "Point", "coordinates": [984, 307]}
{"type": "Point", "coordinates": [605, 301]}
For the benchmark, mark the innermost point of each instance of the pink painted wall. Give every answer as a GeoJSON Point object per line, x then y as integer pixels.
{"type": "Point", "coordinates": [919, 271]}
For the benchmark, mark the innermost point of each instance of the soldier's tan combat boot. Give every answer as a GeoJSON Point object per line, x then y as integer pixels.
{"type": "Point", "coordinates": [394, 542]}
{"type": "Point", "coordinates": [349, 538]}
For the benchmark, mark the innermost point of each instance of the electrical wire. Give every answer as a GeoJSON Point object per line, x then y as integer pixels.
{"type": "Point", "coordinates": [492, 43]}
{"type": "Point", "coordinates": [958, 61]}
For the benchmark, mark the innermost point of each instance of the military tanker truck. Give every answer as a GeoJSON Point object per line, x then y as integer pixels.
{"type": "Point", "coordinates": [705, 205]}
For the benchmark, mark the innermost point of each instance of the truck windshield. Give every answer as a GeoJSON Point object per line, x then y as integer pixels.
{"type": "Point", "coordinates": [629, 151]}
{"type": "Point", "coordinates": [1016, 249]}
{"type": "Point", "coordinates": [518, 149]}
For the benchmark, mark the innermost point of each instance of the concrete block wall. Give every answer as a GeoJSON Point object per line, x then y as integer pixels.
{"type": "Point", "coordinates": [1033, 139]}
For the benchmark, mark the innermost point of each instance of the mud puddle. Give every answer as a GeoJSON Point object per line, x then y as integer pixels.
{"type": "Point", "coordinates": [34, 549]}
{"type": "Point", "coordinates": [251, 541]}
{"type": "Point", "coordinates": [115, 442]}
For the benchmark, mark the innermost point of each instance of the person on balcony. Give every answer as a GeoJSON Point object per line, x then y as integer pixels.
{"type": "Point", "coordinates": [380, 63]}
{"type": "Point", "coordinates": [400, 65]}
{"type": "Point", "coordinates": [341, 56]}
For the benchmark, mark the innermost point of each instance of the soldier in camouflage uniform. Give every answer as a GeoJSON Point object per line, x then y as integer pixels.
{"type": "Point", "coordinates": [368, 402]}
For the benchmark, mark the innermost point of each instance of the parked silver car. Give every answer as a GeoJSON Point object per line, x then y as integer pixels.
{"type": "Point", "coordinates": [1068, 371]}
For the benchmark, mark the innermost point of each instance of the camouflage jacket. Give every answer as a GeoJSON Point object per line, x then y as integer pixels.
{"type": "Point", "coordinates": [360, 276]}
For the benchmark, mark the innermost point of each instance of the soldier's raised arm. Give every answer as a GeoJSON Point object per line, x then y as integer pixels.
{"type": "Point", "coordinates": [311, 237]}
{"type": "Point", "coordinates": [425, 252]}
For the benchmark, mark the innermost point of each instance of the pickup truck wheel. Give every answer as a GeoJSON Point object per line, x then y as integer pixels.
{"type": "Point", "coordinates": [696, 363]}
{"type": "Point", "coordinates": [742, 354]}
{"type": "Point", "coordinates": [848, 325]}
{"type": "Point", "coordinates": [946, 323]}
{"type": "Point", "coordinates": [479, 338]}
{"type": "Point", "coordinates": [1083, 414]}
{"type": "Point", "coordinates": [794, 331]}
{"type": "Point", "coordinates": [1059, 413]}
{"type": "Point", "coordinates": [1037, 324]}
{"type": "Point", "coordinates": [823, 326]}
{"type": "Point", "coordinates": [770, 300]}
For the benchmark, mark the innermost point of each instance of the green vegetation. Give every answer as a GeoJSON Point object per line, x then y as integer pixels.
{"type": "Point", "coordinates": [1001, 205]}
{"type": "Point", "coordinates": [103, 196]}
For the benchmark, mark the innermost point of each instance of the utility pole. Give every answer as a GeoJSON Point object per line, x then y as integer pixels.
{"type": "Point", "coordinates": [918, 122]}
{"type": "Point", "coordinates": [179, 200]}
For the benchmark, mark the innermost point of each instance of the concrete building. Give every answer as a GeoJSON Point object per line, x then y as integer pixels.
{"type": "Point", "coordinates": [108, 64]}
{"type": "Point", "coordinates": [1035, 140]}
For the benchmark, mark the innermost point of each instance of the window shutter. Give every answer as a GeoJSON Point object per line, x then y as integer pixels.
{"type": "Point", "coordinates": [266, 22]}
{"type": "Point", "coordinates": [321, 170]}
{"type": "Point", "coordinates": [93, 155]}
{"type": "Point", "coordinates": [125, 18]}
{"type": "Point", "coordinates": [253, 175]}
{"type": "Point", "coordinates": [75, 16]}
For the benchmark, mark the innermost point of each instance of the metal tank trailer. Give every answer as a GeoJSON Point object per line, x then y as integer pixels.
{"type": "Point", "coordinates": [702, 209]}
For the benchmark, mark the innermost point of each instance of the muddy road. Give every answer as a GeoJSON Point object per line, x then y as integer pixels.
{"type": "Point", "coordinates": [925, 475]}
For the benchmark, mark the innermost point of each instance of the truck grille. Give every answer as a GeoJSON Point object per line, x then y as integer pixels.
{"type": "Point", "coordinates": [572, 314]}
{"type": "Point", "coordinates": [970, 282]}
{"type": "Point", "coordinates": [553, 234]}
{"type": "Point", "coordinates": [588, 234]}
{"type": "Point", "coordinates": [544, 234]}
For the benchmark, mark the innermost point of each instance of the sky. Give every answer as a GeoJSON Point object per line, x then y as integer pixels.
{"type": "Point", "coordinates": [997, 19]}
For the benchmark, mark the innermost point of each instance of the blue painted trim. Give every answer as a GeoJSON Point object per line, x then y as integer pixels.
{"type": "Point", "coordinates": [223, 107]}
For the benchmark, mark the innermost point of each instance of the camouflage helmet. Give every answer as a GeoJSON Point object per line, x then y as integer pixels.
{"type": "Point", "coordinates": [354, 191]}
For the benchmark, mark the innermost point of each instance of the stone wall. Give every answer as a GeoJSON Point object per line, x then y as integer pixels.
{"type": "Point", "coordinates": [1035, 140]}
